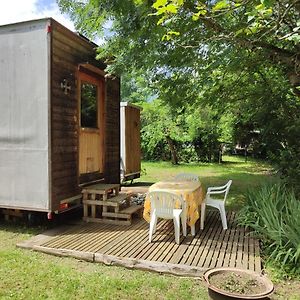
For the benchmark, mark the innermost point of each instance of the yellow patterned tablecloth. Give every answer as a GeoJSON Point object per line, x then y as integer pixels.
{"type": "Point", "coordinates": [191, 191]}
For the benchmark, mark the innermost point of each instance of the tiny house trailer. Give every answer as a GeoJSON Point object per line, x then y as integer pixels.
{"type": "Point", "coordinates": [59, 117]}
{"type": "Point", "coordinates": [130, 141]}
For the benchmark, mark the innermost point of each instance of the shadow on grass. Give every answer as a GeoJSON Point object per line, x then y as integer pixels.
{"type": "Point", "coordinates": [226, 162]}
{"type": "Point", "coordinates": [20, 228]}
{"type": "Point", "coordinates": [138, 183]}
{"type": "Point", "coordinates": [40, 223]}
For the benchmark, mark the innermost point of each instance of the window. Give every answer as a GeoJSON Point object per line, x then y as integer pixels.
{"type": "Point", "coordinates": [89, 97]}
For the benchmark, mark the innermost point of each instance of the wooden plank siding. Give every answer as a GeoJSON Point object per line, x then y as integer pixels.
{"type": "Point", "coordinates": [132, 140]}
{"type": "Point", "coordinates": [68, 50]}
{"type": "Point", "coordinates": [112, 131]}
{"type": "Point", "coordinates": [129, 246]}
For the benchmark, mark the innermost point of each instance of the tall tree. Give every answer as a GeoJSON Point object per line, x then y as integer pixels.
{"type": "Point", "coordinates": [241, 57]}
{"type": "Point", "coordinates": [269, 27]}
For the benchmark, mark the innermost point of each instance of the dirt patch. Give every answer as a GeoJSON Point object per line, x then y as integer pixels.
{"type": "Point", "coordinates": [238, 283]}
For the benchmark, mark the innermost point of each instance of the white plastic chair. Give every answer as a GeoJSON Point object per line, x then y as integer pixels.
{"type": "Point", "coordinates": [163, 205]}
{"type": "Point", "coordinates": [186, 177]}
{"type": "Point", "coordinates": [217, 203]}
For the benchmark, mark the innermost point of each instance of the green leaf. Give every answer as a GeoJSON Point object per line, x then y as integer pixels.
{"type": "Point", "coordinates": [197, 15]}
{"type": "Point", "coordinates": [295, 38]}
{"type": "Point", "coordinates": [168, 35]}
{"type": "Point", "coordinates": [159, 3]}
{"type": "Point", "coordinates": [171, 8]}
{"type": "Point", "coordinates": [174, 33]}
{"type": "Point", "coordinates": [267, 3]}
{"type": "Point", "coordinates": [138, 2]}
{"type": "Point", "coordinates": [260, 7]}
{"type": "Point", "coordinates": [221, 5]}
{"type": "Point", "coordinates": [161, 11]}
{"type": "Point", "coordinates": [240, 31]}
{"type": "Point", "coordinates": [161, 20]}
{"type": "Point", "coordinates": [250, 18]}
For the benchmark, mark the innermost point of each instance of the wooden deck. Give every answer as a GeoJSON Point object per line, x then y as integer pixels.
{"type": "Point", "coordinates": [128, 246]}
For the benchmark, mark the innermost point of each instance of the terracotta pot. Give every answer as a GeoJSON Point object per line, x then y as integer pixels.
{"type": "Point", "coordinates": [219, 294]}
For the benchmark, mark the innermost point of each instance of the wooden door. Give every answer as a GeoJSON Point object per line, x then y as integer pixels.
{"type": "Point", "coordinates": [91, 124]}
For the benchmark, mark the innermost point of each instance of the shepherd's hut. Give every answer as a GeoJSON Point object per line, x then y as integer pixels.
{"type": "Point", "coordinates": [59, 117]}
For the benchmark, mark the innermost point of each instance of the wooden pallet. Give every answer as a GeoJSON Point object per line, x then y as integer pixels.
{"type": "Point", "coordinates": [102, 203]}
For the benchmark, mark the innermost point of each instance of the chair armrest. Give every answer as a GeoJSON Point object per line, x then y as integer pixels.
{"type": "Point", "coordinates": [210, 192]}
{"type": "Point", "coordinates": [217, 188]}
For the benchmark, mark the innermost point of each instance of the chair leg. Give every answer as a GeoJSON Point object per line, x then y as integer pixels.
{"type": "Point", "coordinates": [223, 216]}
{"type": "Point", "coordinates": [152, 226]}
{"type": "Point", "coordinates": [183, 222]}
{"type": "Point", "coordinates": [202, 218]}
{"type": "Point", "coordinates": [176, 221]}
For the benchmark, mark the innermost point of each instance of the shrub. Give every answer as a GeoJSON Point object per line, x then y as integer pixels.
{"type": "Point", "coordinates": [273, 212]}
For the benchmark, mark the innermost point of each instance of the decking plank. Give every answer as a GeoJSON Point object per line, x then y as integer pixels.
{"type": "Point", "coordinates": [226, 259]}
{"type": "Point", "coordinates": [56, 239]}
{"type": "Point", "coordinates": [196, 259]}
{"type": "Point", "coordinates": [147, 248]}
{"type": "Point", "coordinates": [128, 237]}
{"type": "Point", "coordinates": [64, 239]}
{"type": "Point", "coordinates": [233, 253]}
{"type": "Point", "coordinates": [142, 238]}
{"type": "Point", "coordinates": [239, 256]}
{"type": "Point", "coordinates": [217, 259]}
{"type": "Point", "coordinates": [214, 248]}
{"type": "Point", "coordinates": [132, 244]}
{"type": "Point", "coordinates": [208, 250]}
{"type": "Point", "coordinates": [257, 260]}
{"type": "Point", "coordinates": [251, 253]}
{"type": "Point", "coordinates": [211, 247]}
{"type": "Point", "coordinates": [246, 250]}
{"type": "Point", "coordinates": [170, 247]}
{"type": "Point", "coordinates": [92, 237]}
{"type": "Point", "coordinates": [160, 245]}
{"type": "Point", "coordinates": [220, 242]}
{"type": "Point", "coordinates": [106, 246]}
{"type": "Point", "coordinates": [193, 248]}
{"type": "Point", "coordinates": [78, 239]}
{"type": "Point", "coordinates": [100, 237]}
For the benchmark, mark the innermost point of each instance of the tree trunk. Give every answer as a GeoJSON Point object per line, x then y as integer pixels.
{"type": "Point", "coordinates": [172, 150]}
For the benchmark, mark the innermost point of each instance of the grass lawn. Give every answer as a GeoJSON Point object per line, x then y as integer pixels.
{"type": "Point", "coordinates": [245, 175]}
{"type": "Point", "coordinates": [31, 275]}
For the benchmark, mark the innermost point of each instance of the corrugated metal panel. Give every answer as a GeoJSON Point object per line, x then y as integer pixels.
{"type": "Point", "coordinates": [24, 85]}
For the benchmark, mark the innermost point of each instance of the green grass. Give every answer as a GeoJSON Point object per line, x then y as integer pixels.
{"type": "Point", "coordinates": [25, 274]}
{"type": "Point", "coordinates": [245, 175]}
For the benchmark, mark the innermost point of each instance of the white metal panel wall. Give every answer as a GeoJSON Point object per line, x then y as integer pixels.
{"type": "Point", "coordinates": [24, 85]}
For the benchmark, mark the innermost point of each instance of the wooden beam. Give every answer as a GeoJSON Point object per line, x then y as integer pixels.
{"type": "Point", "coordinates": [181, 270]}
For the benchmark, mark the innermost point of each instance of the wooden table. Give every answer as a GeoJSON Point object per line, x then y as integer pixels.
{"type": "Point", "coordinates": [191, 191]}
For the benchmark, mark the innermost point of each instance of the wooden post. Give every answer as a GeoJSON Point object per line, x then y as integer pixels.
{"type": "Point", "coordinates": [85, 206]}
